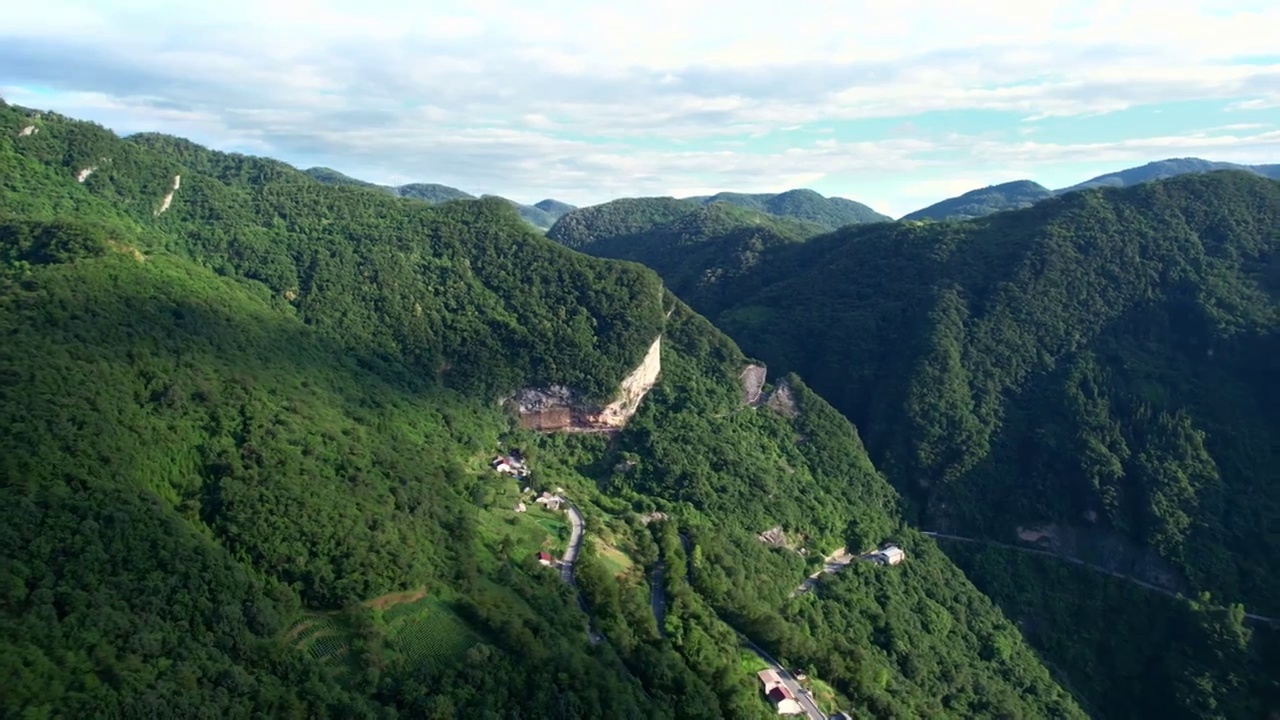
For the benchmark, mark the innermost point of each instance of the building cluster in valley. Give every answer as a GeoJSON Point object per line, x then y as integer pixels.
{"type": "Point", "coordinates": [514, 463]}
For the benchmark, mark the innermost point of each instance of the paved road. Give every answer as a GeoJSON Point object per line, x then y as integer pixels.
{"type": "Point", "coordinates": [658, 597]}
{"type": "Point", "coordinates": [570, 557]}
{"type": "Point", "coordinates": [833, 563]}
{"type": "Point", "coordinates": [802, 696]}
{"type": "Point", "coordinates": [575, 543]}
{"type": "Point", "coordinates": [1082, 563]}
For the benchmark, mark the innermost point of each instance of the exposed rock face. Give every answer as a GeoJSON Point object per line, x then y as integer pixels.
{"type": "Point", "coordinates": [657, 516]}
{"type": "Point", "coordinates": [561, 408]}
{"type": "Point", "coordinates": [773, 536]}
{"type": "Point", "coordinates": [164, 204]}
{"type": "Point", "coordinates": [28, 130]}
{"type": "Point", "coordinates": [547, 409]}
{"type": "Point", "coordinates": [782, 400]}
{"type": "Point", "coordinates": [1036, 535]}
{"type": "Point", "coordinates": [752, 379]}
{"type": "Point", "coordinates": [1108, 549]}
{"type": "Point", "coordinates": [85, 173]}
{"type": "Point", "coordinates": [127, 249]}
{"type": "Point", "coordinates": [778, 537]}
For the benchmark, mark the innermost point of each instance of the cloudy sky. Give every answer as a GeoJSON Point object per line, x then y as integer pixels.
{"type": "Point", "coordinates": [895, 104]}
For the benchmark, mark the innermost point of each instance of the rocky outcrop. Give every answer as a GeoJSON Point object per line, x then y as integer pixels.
{"type": "Point", "coordinates": [28, 130]}
{"type": "Point", "coordinates": [773, 536]}
{"type": "Point", "coordinates": [164, 204]}
{"type": "Point", "coordinates": [782, 400]}
{"type": "Point", "coordinates": [752, 379]}
{"type": "Point", "coordinates": [561, 408]}
{"type": "Point", "coordinates": [778, 537]}
{"type": "Point", "coordinates": [1037, 535]}
{"type": "Point", "coordinates": [1107, 549]}
{"type": "Point", "coordinates": [656, 516]}
{"type": "Point", "coordinates": [127, 250]}
{"type": "Point", "coordinates": [85, 173]}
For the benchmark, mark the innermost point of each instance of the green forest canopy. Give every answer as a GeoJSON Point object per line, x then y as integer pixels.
{"type": "Point", "coordinates": [240, 428]}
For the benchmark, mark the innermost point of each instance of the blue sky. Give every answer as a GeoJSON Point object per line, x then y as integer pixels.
{"type": "Point", "coordinates": [897, 105]}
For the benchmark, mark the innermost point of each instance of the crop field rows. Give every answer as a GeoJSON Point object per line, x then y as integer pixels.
{"type": "Point", "coordinates": [429, 630]}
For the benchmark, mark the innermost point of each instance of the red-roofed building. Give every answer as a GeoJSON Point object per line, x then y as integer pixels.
{"type": "Point", "coordinates": [545, 558]}
{"type": "Point", "coordinates": [776, 690]}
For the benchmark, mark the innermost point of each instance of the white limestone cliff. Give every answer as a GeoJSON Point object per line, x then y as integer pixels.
{"type": "Point", "coordinates": [560, 408]}
{"type": "Point", "coordinates": [164, 204]}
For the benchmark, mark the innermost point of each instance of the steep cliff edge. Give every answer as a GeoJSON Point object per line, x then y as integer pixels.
{"type": "Point", "coordinates": [559, 407]}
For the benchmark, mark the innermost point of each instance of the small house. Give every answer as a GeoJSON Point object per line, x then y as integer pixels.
{"type": "Point", "coordinates": [889, 556]}
{"type": "Point", "coordinates": [520, 507]}
{"type": "Point", "coordinates": [545, 558]}
{"type": "Point", "coordinates": [549, 501]}
{"type": "Point", "coordinates": [778, 693]}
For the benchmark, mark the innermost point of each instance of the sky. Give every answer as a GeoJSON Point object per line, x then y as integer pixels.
{"type": "Point", "coordinates": [894, 104]}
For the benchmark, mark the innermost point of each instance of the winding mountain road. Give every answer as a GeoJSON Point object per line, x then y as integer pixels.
{"type": "Point", "coordinates": [575, 542]}
{"type": "Point", "coordinates": [658, 597]}
{"type": "Point", "coordinates": [570, 557]}
{"type": "Point", "coordinates": [1096, 568]}
{"type": "Point", "coordinates": [833, 563]}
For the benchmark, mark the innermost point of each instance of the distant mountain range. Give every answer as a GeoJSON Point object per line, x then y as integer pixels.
{"type": "Point", "coordinates": [541, 215]}
{"type": "Point", "coordinates": [1023, 193]}
{"type": "Point", "coordinates": [619, 220]}
{"type": "Point", "coordinates": [827, 213]}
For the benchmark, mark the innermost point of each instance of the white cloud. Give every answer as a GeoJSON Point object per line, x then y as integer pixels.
{"type": "Point", "coordinates": [1261, 103]}
{"type": "Point", "coordinates": [584, 100]}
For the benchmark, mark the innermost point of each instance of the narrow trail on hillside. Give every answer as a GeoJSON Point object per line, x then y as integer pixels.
{"type": "Point", "coordinates": [1096, 568]}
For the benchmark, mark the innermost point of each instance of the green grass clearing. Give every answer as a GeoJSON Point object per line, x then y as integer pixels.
{"type": "Point", "coordinates": [617, 561]}
{"type": "Point", "coordinates": [750, 662]}
{"type": "Point", "coordinates": [825, 696]}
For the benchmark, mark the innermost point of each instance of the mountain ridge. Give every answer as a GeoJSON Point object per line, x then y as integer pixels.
{"type": "Point", "coordinates": [541, 215]}
{"type": "Point", "coordinates": [1018, 194]}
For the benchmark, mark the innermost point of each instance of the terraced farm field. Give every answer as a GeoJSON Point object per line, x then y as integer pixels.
{"type": "Point", "coordinates": [321, 637]}
{"type": "Point", "coordinates": [428, 630]}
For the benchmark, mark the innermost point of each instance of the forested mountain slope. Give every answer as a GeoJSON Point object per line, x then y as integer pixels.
{"type": "Point", "coordinates": [803, 211]}
{"type": "Point", "coordinates": [984, 201]}
{"type": "Point", "coordinates": [1161, 169]}
{"type": "Point", "coordinates": [801, 204]}
{"type": "Point", "coordinates": [1149, 310]}
{"type": "Point", "coordinates": [536, 215]}
{"type": "Point", "coordinates": [699, 252]}
{"type": "Point", "coordinates": [245, 433]}
{"type": "Point", "coordinates": [1022, 193]}
{"type": "Point", "coordinates": [1096, 373]}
